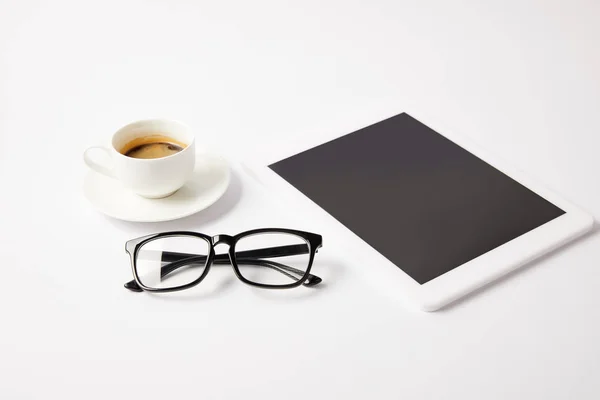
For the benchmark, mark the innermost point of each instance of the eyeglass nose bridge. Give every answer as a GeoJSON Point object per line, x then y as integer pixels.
{"type": "Point", "coordinates": [218, 239]}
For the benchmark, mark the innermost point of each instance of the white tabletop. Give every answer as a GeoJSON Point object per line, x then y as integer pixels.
{"type": "Point", "coordinates": [521, 78]}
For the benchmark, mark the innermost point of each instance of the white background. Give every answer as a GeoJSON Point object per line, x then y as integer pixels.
{"type": "Point", "coordinates": [520, 78]}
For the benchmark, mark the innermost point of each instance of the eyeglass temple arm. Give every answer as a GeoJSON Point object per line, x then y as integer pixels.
{"type": "Point", "coordinates": [268, 252]}
{"type": "Point", "coordinates": [282, 268]}
{"type": "Point", "coordinates": [311, 280]}
{"type": "Point", "coordinates": [175, 260]}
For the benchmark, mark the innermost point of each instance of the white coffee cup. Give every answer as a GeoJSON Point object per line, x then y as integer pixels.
{"type": "Point", "coordinates": [152, 178]}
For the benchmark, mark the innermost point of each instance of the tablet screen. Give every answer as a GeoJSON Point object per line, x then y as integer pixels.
{"type": "Point", "coordinates": [422, 201]}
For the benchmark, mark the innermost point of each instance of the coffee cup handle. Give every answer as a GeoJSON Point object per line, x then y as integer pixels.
{"type": "Point", "coordinates": [102, 169]}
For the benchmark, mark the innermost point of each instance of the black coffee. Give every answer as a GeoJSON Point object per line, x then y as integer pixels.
{"type": "Point", "coordinates": [153, 146]}
{"type": "Point", "coordinates": [154, 150]}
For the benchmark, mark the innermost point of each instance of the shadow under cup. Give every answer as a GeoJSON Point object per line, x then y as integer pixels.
{"type": "Point", "coordinates": [154, 177]}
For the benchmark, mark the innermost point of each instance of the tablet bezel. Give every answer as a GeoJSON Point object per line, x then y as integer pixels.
{"type": "Point", "coordinates": [467, 277]}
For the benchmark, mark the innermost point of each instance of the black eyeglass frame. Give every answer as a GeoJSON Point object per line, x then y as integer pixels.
{"type": "Point", "coordinates": [313, 241]}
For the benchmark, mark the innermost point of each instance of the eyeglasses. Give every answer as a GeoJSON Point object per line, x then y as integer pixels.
{"type": "Point", "coordinates": [170, 261]}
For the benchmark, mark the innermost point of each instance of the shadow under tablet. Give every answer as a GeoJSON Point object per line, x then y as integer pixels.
{"type": "Point", "coordinates": [423, 202]}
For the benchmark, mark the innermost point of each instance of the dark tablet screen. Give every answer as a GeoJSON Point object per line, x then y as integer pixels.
{"type": "Point", "coordinates": [422, 201]}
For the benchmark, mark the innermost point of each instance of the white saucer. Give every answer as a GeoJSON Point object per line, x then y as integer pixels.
{"type": "Point", "coordinates": [210, 181]}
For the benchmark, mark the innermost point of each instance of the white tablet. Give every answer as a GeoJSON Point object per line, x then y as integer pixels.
{"type": "Point", "coordinates": [437, 217]}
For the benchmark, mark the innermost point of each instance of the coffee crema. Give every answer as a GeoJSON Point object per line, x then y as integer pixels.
{"type": "Point", "coordinates": [152, 146]}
